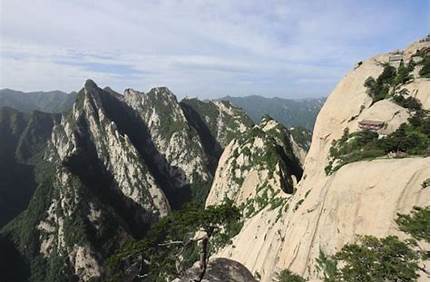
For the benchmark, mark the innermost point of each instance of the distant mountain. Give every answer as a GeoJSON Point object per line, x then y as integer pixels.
{"type": "Point", "coordinates": [23, 139]}
{"type": "Point", "coordinates": [290, 112]}
{"type": "Point", "coordinates": [49, 102]}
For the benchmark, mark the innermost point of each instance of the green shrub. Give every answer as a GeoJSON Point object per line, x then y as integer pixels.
{"type": "Point", "coordinates": [371, 259]}
{"type": "Point", "coordinates": [412, 138]}
{"type": "Point", "coordinates": [410, 103]}
{"type": "Point", "coordinates": [425, 70]}
{"type": "Point", "coordinates": [386, 259]}
{"type": "Point", "coordinates": [388, 81]}
{"type": "Point", "coordinates": [403, 75]}
{"type": "Point", "coordinates": [417, 223]}
{"type": "Point", "coordinates": [288, 276]}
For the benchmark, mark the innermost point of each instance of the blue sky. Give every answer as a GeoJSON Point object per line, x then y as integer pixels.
{"type": "Point", "coordinates": [291, 49]}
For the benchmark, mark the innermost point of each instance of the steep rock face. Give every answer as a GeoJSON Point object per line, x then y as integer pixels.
{"type": "Point", "coordinates": [257, 170]}
{"type": "Point", "coordinates": [96, 116]}
{"type": "Point", "coordinates": [217, 123]}
{"type": "Point", "coordinates": [94, 191]}
{"type": "Point", "coordinates": [182, 156]}
{"type": "Point", "coordinates": [360, 198]}
{"type": "Point", "coordinates": [223, 120]}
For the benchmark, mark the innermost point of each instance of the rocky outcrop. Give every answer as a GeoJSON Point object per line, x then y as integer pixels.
{"type": "Point", "coordinates": [182, 157]}
{"type": "Point", "coordinates": [220, 270]}
{"type": "Point", "coordinates": [223, 121]}
{"type": "Point", "coordinates": [257, 170]}
{"type": "Point", "coordinates": [326, 212]}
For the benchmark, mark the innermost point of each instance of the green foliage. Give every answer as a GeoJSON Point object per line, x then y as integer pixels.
{"type": "Point", "coordinates": [160, 250]}
{"type": "Point", "coordinates": [425, 70]}
{"type": "Point", "coordinates": [410, 102]}
{"type": "Point", "coordinates": [353, 147]}
{"type": "Point", "coordinates": [386, 259]}
{"type": "Point", "coordinates": [328, 267]}
{"type": "Point", "coordinates": [288, 276]}
{"type": "Point", "coordinates": [426, 183]}
{"type": "Point", "coordinates": [411, 138]}
{"type": "Point", "coordinates": [371, 260]}
{"type": "Point", "coordinates": [403, 75]}
{"type": "Point", "coordinates": [417, 223]}
{"type": "Point", "coordinates": [276, 202]}
{"type": "Point", "coordinates": [379, 89]}
{"type": "Point", "coordinates": [223, 238]}
{"type": "Point", "coordinates": [388, 81]}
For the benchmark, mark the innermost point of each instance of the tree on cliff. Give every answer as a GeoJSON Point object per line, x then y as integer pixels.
{"type": "Point", "coordinates": [174, 244]}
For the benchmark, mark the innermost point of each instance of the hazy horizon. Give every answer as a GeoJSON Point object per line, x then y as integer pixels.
{"type": "Point", "coordinates": [178, 96]}
{"type": "Point", "coordinates": [286, 49]}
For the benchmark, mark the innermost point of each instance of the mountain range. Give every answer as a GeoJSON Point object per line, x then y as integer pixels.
{"type": "Point", "coordinates": [101, 188]}
{"type": "Point", "coordinates": [298, 114]}
{"type": "Point", "coordinates": [49, 102]}
{"type": "Point", "coordinates": [290, 112]}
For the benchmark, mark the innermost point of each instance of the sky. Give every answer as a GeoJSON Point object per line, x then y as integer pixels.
{"type": "Point", "coordinates": [199, 48]}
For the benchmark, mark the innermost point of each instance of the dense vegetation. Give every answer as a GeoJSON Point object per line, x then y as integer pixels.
{"type": "Point", "coordinates": [372, 259]}
{"type": "Point", "coordinates": [390, 80]}
{"type": "Point", "coordinates": [416, 224]}
{"type": "Point", "coordinates": [411, 138]}
{"type": "Point", "coordinates": [425, 63]}
{"type": "Point", "coordinates": [385, 85]}
{"type": "Point", "coordinates": [288, 276]}
{"type": "Point", "coordinates": [176, 242]}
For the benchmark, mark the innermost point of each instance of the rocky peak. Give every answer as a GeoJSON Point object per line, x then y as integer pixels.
{"type": "Point", "coordinates": [292, 147]}
{"type": "Point", "coordinates": [223, 120]}
{"type": "Point", "coordinates": [90, 84]}
{"type": "Point", "coordinates": [180, 153]}
{"type": "Point", "coordinates": [257, 169]}
{"type": "Point", "coordinates": [162, 92]}
{"type": "Point", "coordinates": [97, 179]}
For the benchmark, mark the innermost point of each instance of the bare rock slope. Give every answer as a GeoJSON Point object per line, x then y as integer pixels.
{"type": "Point", "coordinates": [328, 211]}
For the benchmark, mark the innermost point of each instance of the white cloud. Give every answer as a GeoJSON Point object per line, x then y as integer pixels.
{"type": "Point", "coordinates": [195, 47]}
